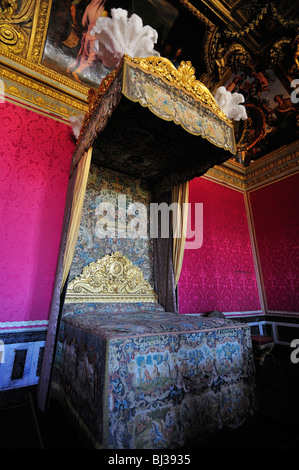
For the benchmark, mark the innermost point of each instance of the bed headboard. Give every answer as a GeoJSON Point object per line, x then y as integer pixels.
{"type": "Point", "coordinates": [111, 279]}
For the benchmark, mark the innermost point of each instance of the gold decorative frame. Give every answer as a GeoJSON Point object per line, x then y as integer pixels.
{"type": "Point", "coordinates": [26, 80]}
{"type": "Point", "coordinates": [110, 279]}
{"type": "Point", "coordinates": [29, 61]}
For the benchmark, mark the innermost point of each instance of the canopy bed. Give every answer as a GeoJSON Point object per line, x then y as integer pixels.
{"type": "Point", "coordinates": [130, 370]}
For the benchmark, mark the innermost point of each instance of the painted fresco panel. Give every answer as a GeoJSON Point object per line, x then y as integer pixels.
{"type": "Point", "coordinates": [69, 44]}
{"type": "Point", "coordinates": [272, 114]}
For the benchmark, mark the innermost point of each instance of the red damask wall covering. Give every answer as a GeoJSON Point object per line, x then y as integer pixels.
{"type": "Point", "coordinates": [220, 275]}
{"type": "Point", "coordinates": [35, 156]}
{"type": "Point", "coordinates": [275, 210]}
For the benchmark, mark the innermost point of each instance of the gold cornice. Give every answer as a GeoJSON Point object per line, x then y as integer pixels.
{"type": "Point", "coordinates": [39, 30]}
{"type": "Point", "coordinates": [44, 75]}
{"type": "Point", "coordinates": [41, 96]}
{"type": "Point", "coordinates": [226, 176]}
{"type": "Point", "coordinates": [282, 152]}
{"type": "Point", "coordinates": [278, 164]}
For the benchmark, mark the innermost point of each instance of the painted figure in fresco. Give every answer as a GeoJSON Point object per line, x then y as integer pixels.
{"type": "Point", "coordinates": [286, 114]}
{"type": "Point", "coordinates": [87, 56]}
{"type": "Point", "coordinates": [74, 37]}
{"type": "Point", "coordinates": [284, 105]}
{"type": "Point", "coordinates": [233, 85]}
{"type": "Point", "coordinates": [248, 133]}
{"type": "Point", "coordinates": [261, 82]}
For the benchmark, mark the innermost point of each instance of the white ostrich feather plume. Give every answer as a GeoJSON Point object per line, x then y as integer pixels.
{"type": "Point", "coordinates": [76, 123]}
{"type": "Point", "coordinates": [121, 35]}
{"type": "Point", "coordinates": [229, 103]}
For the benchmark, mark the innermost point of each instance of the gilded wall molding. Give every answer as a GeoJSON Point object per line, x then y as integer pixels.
{"type": "Point", "coordinates": [39, 30]}
{"type": "Point", "coordinates": [227, 176]}
{"type": "Point", "coordinates": [27, 90]}
{"type": "Point", "coordinates": [279, 164]}
{"type": "Point", "coordinates": [276, 165]}
{"type": "Point", "coordinates": [23, 68]}
{"type": "Point", "coordinates": [16, 22]}
{"type": "Point", "coordinates": [23, 31]}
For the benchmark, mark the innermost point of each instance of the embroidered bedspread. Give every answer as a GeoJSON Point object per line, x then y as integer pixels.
{"type": "Point", "coordinates": [154, 379]}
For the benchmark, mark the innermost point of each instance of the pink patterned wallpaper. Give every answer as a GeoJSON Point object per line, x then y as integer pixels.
{"type": "Point", "coordinates": [220, 275]}
{"type": "Point", "coordinates": [35, 156]}
{"type": "Point", "coordinates": [275, 211]}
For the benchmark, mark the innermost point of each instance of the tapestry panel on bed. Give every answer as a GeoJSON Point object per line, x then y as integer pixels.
{"type": "Point", "coordinates": [154, 380]}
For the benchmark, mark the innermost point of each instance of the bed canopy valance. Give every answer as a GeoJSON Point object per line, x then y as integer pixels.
{"type": "Point", "coordinates": [159, 113]}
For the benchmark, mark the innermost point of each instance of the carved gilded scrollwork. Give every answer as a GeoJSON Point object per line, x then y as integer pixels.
{"type": "Point", "coordinates": [39, 30]}
{"type": "Point", "coordinates": [9, 9]}
{"type": "Point", "coordinates": [11, 39]}
{"type": "Point", "coordinates": [23, 30]}
{"type": "Point", "coordinates": [16, 25]}
{"type": "Point", "coordinates": [112, 278]}
{"type": "Point", "coordinates": [276, 51]}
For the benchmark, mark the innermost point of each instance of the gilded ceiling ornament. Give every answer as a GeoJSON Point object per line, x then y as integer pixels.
{"type": "Point", "coordinates": [112, 278]}
{"type": "Point", "coordinates": [16, 25]}
{"type": "Point", "coordinates": [296, 55]}
{"type": "Point", "coordinates": [237, 57]}
{"type": "Point", "coordinates": [250, 26]}
{"type": "Point", "coordinates": [195, 12]}
{"type": "Point", "coordinates": [281, 20]}
{"type": "Point", "coordinates": [276, 51]}
{"type": "Point", "coordinates": [9, 9]}
{"type": "Point", "coordinates": [220, 61]}
{"type": "Point", "coordinates": [11, 39]}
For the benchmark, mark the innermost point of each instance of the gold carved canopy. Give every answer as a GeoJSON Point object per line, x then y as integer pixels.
{"type": "Point", "coordinates": [172, 94]}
